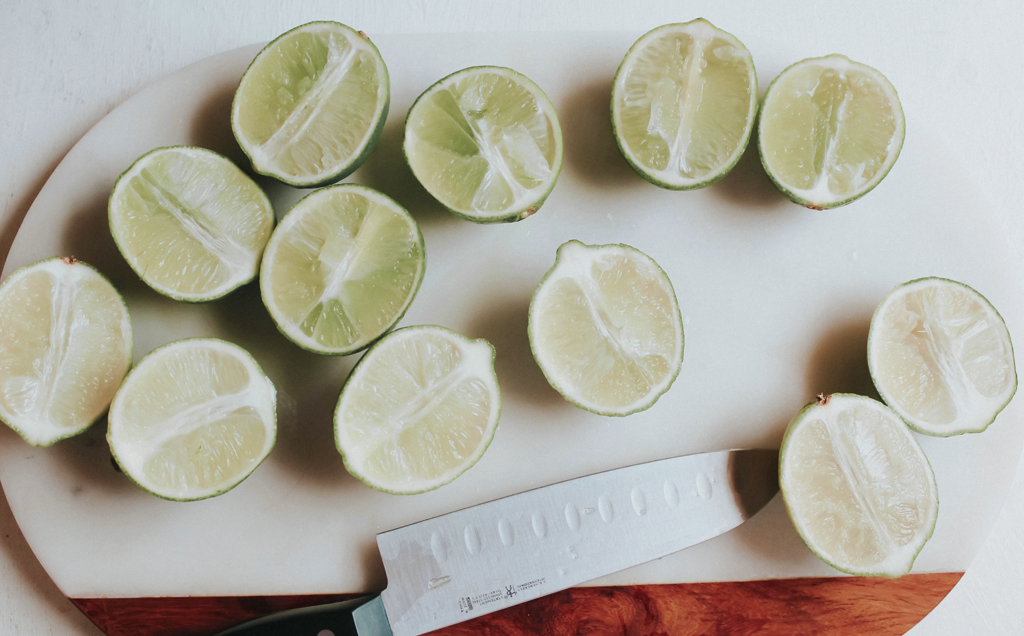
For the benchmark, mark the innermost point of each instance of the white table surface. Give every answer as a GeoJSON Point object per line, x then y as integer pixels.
{"type": "Point", "coordinates": [64, 67]}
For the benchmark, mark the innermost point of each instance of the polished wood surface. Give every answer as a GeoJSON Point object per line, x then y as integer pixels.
{"type": "Point", "coordinates": [793, 607]}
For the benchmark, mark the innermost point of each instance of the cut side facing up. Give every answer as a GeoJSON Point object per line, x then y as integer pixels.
{"type": "Point", "coordinates": [419, 409]}
{"type": "Point", "coordinates": [189, 222]}
{"type": "Point", "coordinates": [486, 143]}
{"type": "Point", "coordinates": [605, 328]}
{"type": "Point", "coordinates": [684, 103]}
{"type": "Point", "coordinates": [311, 106]}
{"type": "Point", "coordinates": [941, 357]}
{"type": "Point", "coordinates": [830, 130]}
{"type": "Point", "coordinates": [857, 485]}
{"type": "Point", "coordinates": [65, 347]}
{"type": "Point", "coordinates": [342, 268]}
{"type": "Point", "coordinates": [193, 419]}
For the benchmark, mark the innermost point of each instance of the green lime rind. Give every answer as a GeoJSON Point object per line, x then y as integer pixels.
{"type": "Point", "coordinates": [907, 563]}
{"type": "Point", "coordinates": [549, 374]}
{"type": "Point", "coordinates": [367, 359]}
{"type": "Point", "coordinates": [642, 170]}
{"type": "Point", "coordinates": [886, 395]}
{"type": "Point", "coordinates": [11, 421]}
{"type": "Point", "coordinates": [369, 143]}
{"type": "Point", "coordinates": [789, 191]}
{"type": "Point", "coordinates": [520, 211]}
{"type": "Point", "coordinates": [265, 292]}
{"type": "Point", "coordinates": [268, 446]}
{"type": "Point", "coordinates": [121, 241]}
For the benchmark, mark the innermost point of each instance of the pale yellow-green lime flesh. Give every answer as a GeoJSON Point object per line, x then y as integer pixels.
{"type": "Point", "coordinates": [342, 268]}
{"type": "Point", "coordinates": [65, 346]}
{"type": "Point", "coordinates": [189, 222]}
{"type": "Point", "coordinates": [311, 106]}
{"type": "Point", "coordinates": [419, 409]}
{"type": "Point", "coordinates": [605, 328]}
{"type": "Point", "coordinates": [940, 355]}
{"type": "Point", "coordinates": [486, 143]}
{"type": "Point", "coordinates": [857, 486]}
{"type": "Point", "coordinates": [193, 419]}
{"type": "Point", "coordinates": [684, 102]}
{"type": "Point", "coordinates": [830, 130]}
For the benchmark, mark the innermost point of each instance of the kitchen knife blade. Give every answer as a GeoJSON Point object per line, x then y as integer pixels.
{"type": "Point", "coordinates": [481, 559]}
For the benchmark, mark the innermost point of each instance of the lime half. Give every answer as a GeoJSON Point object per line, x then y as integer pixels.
{"type": "Point", "coordinates": [193, 419]}
{"type": "Point", "coordinates": [857, 485]}
{"type": "Point", "coordinates": [941, 357]}
{"type": "Point", "coordinates": [65, 346]}
{"type": "Point", "coordinates": [311, 106]}
{"type": "Point", "coordinates": [189, 222]}
{"type": "Point", "coordinates": [342, 268]}
{"type": "Point", "coordinates": [605, 328]}
{"type": "Point", "coordinates": [830, 130]}
{"type": "Point", "coordinates": [486, 143]}
{"type": "Point", "coordinates": [683, 104]}
{"type": "Point", "coordinates": [418, 410]}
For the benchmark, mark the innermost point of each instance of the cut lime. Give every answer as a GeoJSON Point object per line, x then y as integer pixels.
{"type": "Point", "coordinates": [418, 410]}
{"type": "Point", "coordinates": [311, 106]}
{"type": "Point", "coordinates": [830, 130]}
{"type": "Point", "coordinates": [65, 346]}
{"type": "Point", "coordinates": [486, 143]}
{"type": "Point", "coordinates": [189, 222]}
{"type": "Point", "coordinates": [683, 104]}
{"type": "Point", "coordinates": [193, 419]}
{"type": "Point", "coordinates": [342, 268]}
{"type": "Point", "coordinates": [857, 485]}
{"type": "Point", "coordinates": [605, 328]}
{"type": "Point", "coordinates": [941, 357]}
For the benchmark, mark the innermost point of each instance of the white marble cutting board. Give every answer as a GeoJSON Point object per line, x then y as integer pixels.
{"type": "Point", "coordinates": [776, 301]}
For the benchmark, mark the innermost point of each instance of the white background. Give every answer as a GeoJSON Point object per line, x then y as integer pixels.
{"type": "Point", "coordinates": [65, 67]}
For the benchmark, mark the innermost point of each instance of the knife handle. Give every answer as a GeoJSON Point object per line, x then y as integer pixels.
{"type": "Point", "coordinates": [363, 616]}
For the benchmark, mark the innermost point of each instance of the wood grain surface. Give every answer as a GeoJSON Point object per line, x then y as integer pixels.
{"type": "Point", "coordinates": [794, 607]}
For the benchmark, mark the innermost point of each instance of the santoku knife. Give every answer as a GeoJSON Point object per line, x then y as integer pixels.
{"type": "Point", "coordinates": [488, 557]}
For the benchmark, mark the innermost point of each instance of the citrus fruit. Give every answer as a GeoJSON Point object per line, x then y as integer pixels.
{"type": "Point", "coordinates": [857, 485]}
{"type": "Point", "coordinates": [605, 328]}
{"type": "Point", "coordinates": [941, 357]}
{"type": "Point", "coordinates": [419, 409]}
{"type": "Point", "coordinates": [189, 222]}
{"type": "Point", "coordinates": [65, 346]}
{"type": "Point", "coordinates": [193, 419]}
{"type": "Point", "coordinates": [830, 130]}
{"type": "Point", "coordinates": [485, 142]}
{"type": "Point", "coordinates": [341, 269]}
{"type": "Point", "coordinates": [311, 106]}
{"type": "Point", "coordinates": [684, 101]}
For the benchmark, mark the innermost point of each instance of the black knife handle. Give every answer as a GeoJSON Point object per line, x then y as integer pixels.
{"type": "Point", "coordinates": [355, 617]}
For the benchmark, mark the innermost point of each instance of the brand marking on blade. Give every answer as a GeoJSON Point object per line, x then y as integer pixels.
{"type": "Point", "coordinates": [540, 525]}
{"type": "Point", "coordinates": [671, 494]}
{"type": "Point", "coordinates": [572, 517]}
{"type": "Point", "coordinates": [438, 548]}
{"type": "Point", "coordinates": [639, 501]}
{"type": "Point", "coordinates": [472, 538]}
{"type": "Point", "coordinates": [604, 506]}
{"type": "Point", "coordinates": [506, 533]}
{"type": "Point", "coordinates": [704, 486]}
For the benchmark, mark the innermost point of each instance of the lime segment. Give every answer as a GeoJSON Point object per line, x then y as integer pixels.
{"type": "Point", "coordinates": [941, 357]}
{"type": "Point", "coordinates": [419, 409]}
{"type": "Point", "coordinates": [605, 328]}
{"type": "Point", "coordinates": [65, 346]}
{"type": "Point", "coordinates": [683, 104]}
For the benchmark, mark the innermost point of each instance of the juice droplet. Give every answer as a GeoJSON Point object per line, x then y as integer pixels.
{"type": "Point", "coordinates": [433, 584]}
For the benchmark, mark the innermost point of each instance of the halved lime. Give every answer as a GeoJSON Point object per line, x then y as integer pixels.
{"type": "Point", "coordinates": [65, 346]}
{"type": "Point", "coordinates": [857, 485]}
{"type": "Point", "coordinates": [418, 410]}
{"type": "Point", "coordinates": [342, 268]}
{"type": "Point", "coordinates": [941, 357]}
{"type": "Point", "coordinates": [311, 106]}
{"type": "Point", "coordinates": [605, 328]}
{"type": "Point", "coordinates": [830, 131]}
{"type": "Point", "coordinates": [485, 142]}
{"type": "Point", "coordinates": [193, 419]}
{"type": "Point", "coordinates": [189, 222]}
{"type": "Point", "coordinates": [683, 104]}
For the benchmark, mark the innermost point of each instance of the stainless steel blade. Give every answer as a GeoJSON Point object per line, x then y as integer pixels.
{"type": "Point", "coordinates": [482, 559]}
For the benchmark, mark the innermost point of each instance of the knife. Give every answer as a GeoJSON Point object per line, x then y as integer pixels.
{"type": "Point", "coordinates": [508, 551]}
